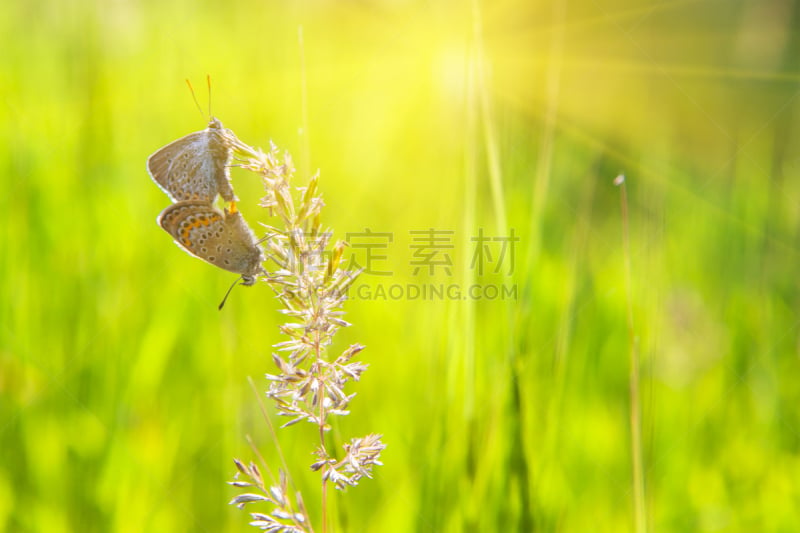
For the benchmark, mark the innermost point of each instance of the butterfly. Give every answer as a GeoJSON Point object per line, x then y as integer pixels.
{"type": "Point", "coordinates": [221, 238]}
{"type": "Point", "coordinates": [196, 167]}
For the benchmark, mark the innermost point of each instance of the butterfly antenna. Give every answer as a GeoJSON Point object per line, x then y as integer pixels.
{"type": "Point", "coordinates": [225, 299]}
{"type": "Point", "coordinates": [191, 90]}
{"type": "Point", "coordinates": [208, 80]}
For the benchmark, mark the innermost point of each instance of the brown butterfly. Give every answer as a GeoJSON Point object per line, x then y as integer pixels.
{"type": "Point", "coordinates": [221, 238]}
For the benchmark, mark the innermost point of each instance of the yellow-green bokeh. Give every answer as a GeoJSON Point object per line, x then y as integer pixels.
{"type": "Point", "coordinates": [124, 393]}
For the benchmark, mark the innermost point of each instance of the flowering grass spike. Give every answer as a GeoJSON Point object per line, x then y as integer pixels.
{"type": "Point", "coordinates": [309, 384]}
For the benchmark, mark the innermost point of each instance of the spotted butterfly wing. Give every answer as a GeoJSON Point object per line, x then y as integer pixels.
{"type": "Point", "coordinates": [195, 167]}
{"type": "Point", "coordinates": [221, 238]}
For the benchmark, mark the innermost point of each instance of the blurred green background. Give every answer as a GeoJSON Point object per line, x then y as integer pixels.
{"type": "Point", "coordinates": [123, 390]}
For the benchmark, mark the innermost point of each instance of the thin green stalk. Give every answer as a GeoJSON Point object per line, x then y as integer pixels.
{"type": "Point", "coordinates": [487, 120]}
{"type": "Point", "coordinates": [640, 512]}
{"type": "Point", "coordinates": [322, 418]}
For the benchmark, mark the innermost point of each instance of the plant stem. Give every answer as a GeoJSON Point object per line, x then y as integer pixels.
{"type": "Point", "coordinates": [640, 513]}
{"type": "Point", "coordinates": [324, 492]}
